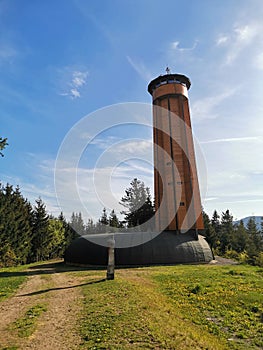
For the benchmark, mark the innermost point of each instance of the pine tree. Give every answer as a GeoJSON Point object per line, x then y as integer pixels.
{"type": "Point", "coordinates": [226, 231]}
{"type": "Point", "coordinates": [77, 224]}
{"type": "Point", "coordinates": [114, 222]}
{"type": "Point", "coordinates": [102, 224]}
{"type": "Point", "coordinates": [240, 239]}
{"type": "Point", "coordinates": [70, 234]}
{"type": "Point", "coordinates": [15, 226]}
{"type": "Point", "coordinates": [56, 244]}
{"type": "Point", "coordinates": [113, 219]}
{"type": "Point", "coordinates": [3, 144]}
{"type": "Point", "coordinates": [41, 233]}
{"type": "Point", "coordinates": [138, 204]}
{"type": "Point", "coordinates": [90, 227]}
{"type": "Point", "coordinates": [104, 217]}
{"type": "Point", "coordinates": [23, 220]}
{"type": "Point", "coordinates": [215, 222]}
{"type": "Point", "coordinates": [255, 238]}
{"type": "Point", "coordinates": [209, 231]}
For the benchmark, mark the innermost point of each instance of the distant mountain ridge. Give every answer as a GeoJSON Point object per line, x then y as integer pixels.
{"type": "Point", "coordinates": [245, 220]}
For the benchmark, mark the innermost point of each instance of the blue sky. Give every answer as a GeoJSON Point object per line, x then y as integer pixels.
{"type": "Point", "coordinates": [63, 60]}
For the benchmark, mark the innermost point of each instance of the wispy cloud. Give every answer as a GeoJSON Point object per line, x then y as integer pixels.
{"type": "Point", "coordinates": [73, 87]}
{"type": "Point", "coordinates": [175, 45]}
{"type": "Point", "coordinates": [206, 107]}
{"type": "Point", "coordinates": [238, 39]}
{"type": "Point", "coordinates": [140, 68]}
{"type": "Point", "coordinates": [233, 139]}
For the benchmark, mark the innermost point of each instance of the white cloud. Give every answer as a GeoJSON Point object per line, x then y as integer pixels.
{"type": "Point", "coordinates": [206, 108]}
{"type": "Point", "coordinates": [223, 39]}
{"type": "Point", "coordinates": [240, 38]}
{"type": "Point", "coordinates": [135, 147]}
{"type": "Point", "coordinates": [233, 139]}
{"type": "Point", "coordinates": [140, 68]}
{"type": "Point", "coordinates": [74, 93]}
{"type": "Point", "coordinates": [77, 79]}
{"type": "Point", "coordinates": [175, 46]}
{"type": "Point", "coordinates": [98, 187]}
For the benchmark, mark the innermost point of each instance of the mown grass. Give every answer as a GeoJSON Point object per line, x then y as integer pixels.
{"type": "Point", "coordinates": [26, 325]}
{"type": "Point", "coordinates": [9, 281]}
{"type": "Point", "coordinates": [179, 307]}
{"type": "Point", "coordinates": [225, 300]}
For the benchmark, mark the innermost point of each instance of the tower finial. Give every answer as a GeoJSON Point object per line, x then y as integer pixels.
{"type": "Point", "coordinates": [168, 70]}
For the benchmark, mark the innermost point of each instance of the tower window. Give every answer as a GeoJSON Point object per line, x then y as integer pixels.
{"type": "Point", "coordinates": [181, 204]}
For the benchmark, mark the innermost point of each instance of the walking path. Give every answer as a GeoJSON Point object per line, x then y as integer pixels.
{"type": "Point", "coordinates": [56, 327]}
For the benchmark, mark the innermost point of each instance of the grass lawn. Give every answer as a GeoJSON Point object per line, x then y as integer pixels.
{"type": "Point", "coordinates": [163, 307]}
{"type": "Point", "coordinates": [175, 307]}
{"type": "Point", "coordinates": [9, 281]}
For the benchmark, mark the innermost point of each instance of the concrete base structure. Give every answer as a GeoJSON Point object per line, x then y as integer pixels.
{"type": "Point", "coordinates": [167, 248]}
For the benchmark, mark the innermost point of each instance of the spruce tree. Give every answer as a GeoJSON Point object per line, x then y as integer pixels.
{"type": "Point", "coordinates": [103, 222]}
{"type": "Point", "coordinates": [77, 224]}
{"type": "Point", "coordinates": [56, 244]}
{"type": "Point", "coordinates": [70, 234]}
{"type": "Point", "coordinates": [90, 227]}
{"type": "Point", "coordinates": [209, 231]}
{"type": "Point", "coordinates": [240, 239]}
{"type": "Point", "coordinates": [138, 204]}
{"type": "Point", "coordinates": [3, 144]}
{"type": "Point", "coordinates": [226, 231]}
{"type": "Point", "coordinates": [215, 222]}
{"type": "Point", "coordinates": [104, 217]}
{"type": "Point", "coordinates": [15, 226]}
{"type": "Point", "coordinates": [41, 233]}
{"type": "Point", "coordinates": [255, 238]}
{"type": "Point", "coordinates": [113, 219]}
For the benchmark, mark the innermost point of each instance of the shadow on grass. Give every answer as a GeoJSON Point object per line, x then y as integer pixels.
{"type": "Point", "coordinates": [61, 288]}
{"type": "Point", "coordinates": [49, 268]}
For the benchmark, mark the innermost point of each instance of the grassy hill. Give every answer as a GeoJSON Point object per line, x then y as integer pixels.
{"type": "Point", "coordinates": [172, 307]}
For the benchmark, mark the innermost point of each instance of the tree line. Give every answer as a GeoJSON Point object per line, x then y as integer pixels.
{"type": "Point", "coordinates": [29, 234]}
{"type": "Point", "coordinates": [234, 240]}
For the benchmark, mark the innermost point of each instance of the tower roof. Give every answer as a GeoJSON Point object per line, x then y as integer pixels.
{"type": "Point", "coordinates": [169, 79]}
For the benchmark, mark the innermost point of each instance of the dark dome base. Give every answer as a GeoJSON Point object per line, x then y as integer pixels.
{"type": "Point", "coordinates": [167, 248]}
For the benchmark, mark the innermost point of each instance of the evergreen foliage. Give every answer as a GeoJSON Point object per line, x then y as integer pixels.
{"type": "Point", "coordinates": [29, 234]}
{"type": "Point", "coordinates": [114, 221]}
{"type": "Point", "coordinates": [41, 233]}
{"type": "Point", "coordinates": [15, 227]}
{"type": "Point", "coordinates": [69, 233]}
{"type": "Point", "coordinates": [234, 240]}
{"type": "Point", "coordinates": [77, 224]}
{"type": "Point", "coordinates": [3, 144]}
{"type": "Point", "coordinates": [138, 204]}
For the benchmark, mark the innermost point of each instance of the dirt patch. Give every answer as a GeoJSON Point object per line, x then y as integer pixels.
{"type": "Point", "coordinates": [56, 328]}
{"type": "Point", "coordinates": [219, 260]}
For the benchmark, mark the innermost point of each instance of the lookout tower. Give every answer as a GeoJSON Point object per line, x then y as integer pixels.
{"type": "Point", "coordinates": [176, 238]}
{"type": "Point", "coordinates": [176, 188]}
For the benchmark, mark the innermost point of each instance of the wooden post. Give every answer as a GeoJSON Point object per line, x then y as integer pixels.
{"type": "Point", "coordinates": [111, 259]}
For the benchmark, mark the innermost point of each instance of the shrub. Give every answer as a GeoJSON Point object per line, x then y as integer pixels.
{"type": "Point", "coordinates": [259, 259]}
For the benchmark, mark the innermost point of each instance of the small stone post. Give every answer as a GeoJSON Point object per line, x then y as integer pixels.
{"type": "Point", "coordinates": [111, 259]}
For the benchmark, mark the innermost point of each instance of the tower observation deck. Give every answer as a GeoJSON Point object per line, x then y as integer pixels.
{"type": "Point", "coordinates": [176, 188]}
